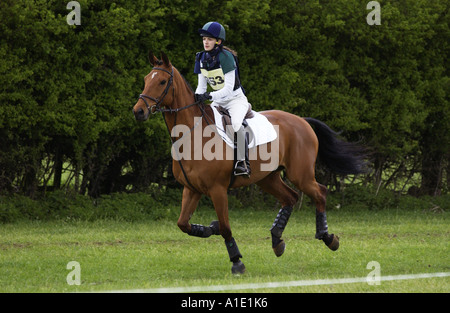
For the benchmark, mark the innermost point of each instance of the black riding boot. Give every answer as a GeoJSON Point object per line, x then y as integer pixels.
{"type": "Point", "coordinates": [243, 163]}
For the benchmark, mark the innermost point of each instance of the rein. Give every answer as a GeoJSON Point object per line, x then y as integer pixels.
{"type": "Point", "coordinates": [157, 108]}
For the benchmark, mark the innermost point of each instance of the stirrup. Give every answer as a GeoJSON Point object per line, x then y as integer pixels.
{"type": "Point", "coordinates": [242, 170]}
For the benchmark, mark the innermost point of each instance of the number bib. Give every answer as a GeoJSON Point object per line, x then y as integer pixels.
{"type": "Point", "coordinates": [215, 78]}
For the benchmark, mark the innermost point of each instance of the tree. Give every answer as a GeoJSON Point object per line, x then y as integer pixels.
{"type": "Point", "coordinates": [66, 91]}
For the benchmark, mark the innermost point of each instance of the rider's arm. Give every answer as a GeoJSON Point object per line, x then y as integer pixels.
{"type": "Point", "coordinates": [227, 88]}
{"type": "Point", "coordinates": [201, 87]}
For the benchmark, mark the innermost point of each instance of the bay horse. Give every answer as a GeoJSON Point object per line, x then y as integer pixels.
{"type": "Point", "coordinates": [166, 91]}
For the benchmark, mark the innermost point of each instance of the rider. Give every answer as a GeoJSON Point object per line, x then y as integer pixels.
{"type": "Point", "coordinates": [217, 66]}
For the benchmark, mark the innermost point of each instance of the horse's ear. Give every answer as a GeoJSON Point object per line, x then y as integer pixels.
{"type": "Point", "coordinates": [151, 57]}
{"type": "Point", "coordinates": [165, 59]}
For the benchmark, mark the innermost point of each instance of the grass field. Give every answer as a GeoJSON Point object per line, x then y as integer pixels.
{"type": "Point", "coordinates": [117, 255]}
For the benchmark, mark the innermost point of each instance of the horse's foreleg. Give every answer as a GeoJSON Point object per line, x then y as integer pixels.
{"type": "Point", "coordinates": [220, 200]}
{"type": "Point", "coordinates": [188, 206]}
{"type": "Point", "coordinates": [202, 231]}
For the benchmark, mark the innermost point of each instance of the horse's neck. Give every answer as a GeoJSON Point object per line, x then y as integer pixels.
{"type": "Point", "coordinates": [183, 97]}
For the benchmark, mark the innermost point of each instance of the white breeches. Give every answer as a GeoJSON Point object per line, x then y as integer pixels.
{"type": "Point", "coordinates": [238, 107]}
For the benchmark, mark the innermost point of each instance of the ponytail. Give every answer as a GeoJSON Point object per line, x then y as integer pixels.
{"type": "Point", "coordinates": [230, 50]}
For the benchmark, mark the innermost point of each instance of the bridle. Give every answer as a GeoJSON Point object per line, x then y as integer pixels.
{"type": "Point", "coordinates": [156, 107]}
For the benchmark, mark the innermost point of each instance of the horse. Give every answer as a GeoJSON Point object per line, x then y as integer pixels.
{"type": "Point", "coordinates": [299, 142]}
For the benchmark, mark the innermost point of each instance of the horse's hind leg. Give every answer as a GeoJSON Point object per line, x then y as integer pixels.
{"type": "Point", "coordinates": [332, 241]}
{"type": "Point", "coordinates": [287, 197]}
{"type": "Point", "coordinates": [318, 193]}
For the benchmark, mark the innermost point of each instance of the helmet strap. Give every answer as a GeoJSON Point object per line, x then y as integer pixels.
{"type": "Point", "coordinates": [218, 45]}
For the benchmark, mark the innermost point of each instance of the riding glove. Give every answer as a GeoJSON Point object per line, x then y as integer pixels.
{"type": "Point", "coordinates": [202, 97]}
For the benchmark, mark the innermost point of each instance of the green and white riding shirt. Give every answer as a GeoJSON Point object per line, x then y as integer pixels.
{"type": "Point", "coordinates": [219, 69]}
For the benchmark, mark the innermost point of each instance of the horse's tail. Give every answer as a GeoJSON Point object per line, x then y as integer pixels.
{"type": "Point", "coordinates": [340, 156]}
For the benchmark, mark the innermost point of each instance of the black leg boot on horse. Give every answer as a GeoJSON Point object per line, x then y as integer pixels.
{"type": "Point", "coordinates": [331, 241]}
{"type": "Point", "coordinates": [234, 254]}
{"type": "Point", "coordinates": [201, 231]}
{"type": "Point", "coordinates": [277, 229]}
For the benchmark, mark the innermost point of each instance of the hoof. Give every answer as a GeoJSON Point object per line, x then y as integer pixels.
{"type": "Point", "coordinates": [332, 242]}
{"type": "Point", "coordinates": [238, 268]}
{"type": "Point", "coordinates": [279, 249]}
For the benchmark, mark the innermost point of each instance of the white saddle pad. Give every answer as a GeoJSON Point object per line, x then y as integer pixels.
{"type": "Point", "coordinates": [261, 131]}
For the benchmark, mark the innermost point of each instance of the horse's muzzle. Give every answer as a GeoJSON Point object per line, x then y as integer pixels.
{"type": "Point", "coordinates": [140, 115]}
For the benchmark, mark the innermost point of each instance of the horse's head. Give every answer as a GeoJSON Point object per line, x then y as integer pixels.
{"type": "Point", "coordinates": [158, 90]}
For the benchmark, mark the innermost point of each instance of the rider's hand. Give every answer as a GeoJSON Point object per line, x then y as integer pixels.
{"type": "Point", "coordinates": [202, 97]}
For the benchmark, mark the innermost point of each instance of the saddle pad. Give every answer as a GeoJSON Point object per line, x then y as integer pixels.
{"type": "Point", "coordinates": [261, 131]}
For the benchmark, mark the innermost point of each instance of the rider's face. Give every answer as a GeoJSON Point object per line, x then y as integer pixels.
{"type": "Point", "coordinates": [209, 43]}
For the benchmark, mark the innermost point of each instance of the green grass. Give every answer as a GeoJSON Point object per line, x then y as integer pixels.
{"type": "Point", "coordinates": [151, 254]}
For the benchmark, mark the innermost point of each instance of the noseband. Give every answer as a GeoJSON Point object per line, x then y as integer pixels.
{"type": "Point", "coordinates": [156, 107]}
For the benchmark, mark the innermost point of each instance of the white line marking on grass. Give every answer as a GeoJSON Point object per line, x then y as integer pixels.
{"type": "Point", "coordinates": [294, 283]}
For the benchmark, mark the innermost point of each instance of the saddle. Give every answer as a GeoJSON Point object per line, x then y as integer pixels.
{"type": "Point", "coordinates": [226, 117]}
{"type": "Point", "coordinates": [256, 124]}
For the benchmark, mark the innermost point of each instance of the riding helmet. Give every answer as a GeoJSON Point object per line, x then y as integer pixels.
{"type": "Point", "coordinates": [212, 29]}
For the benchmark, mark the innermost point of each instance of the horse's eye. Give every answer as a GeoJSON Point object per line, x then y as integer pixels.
{"type": "Point", "coordinates": [162, 82]}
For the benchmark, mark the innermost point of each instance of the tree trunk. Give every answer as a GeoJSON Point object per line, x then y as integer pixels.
{"type": "Point", "coordinates": [58, 169]}
{"type": "Point", "coordinates": [432, 168]}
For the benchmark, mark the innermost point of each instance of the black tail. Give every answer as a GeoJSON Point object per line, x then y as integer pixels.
{"type": "Point", "coordinates": [339, 156]}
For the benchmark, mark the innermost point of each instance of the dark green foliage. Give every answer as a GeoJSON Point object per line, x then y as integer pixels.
{"type": "Point", "coordinates": [158, 205]}
{"type": "Point", "coordinates": [66, 92]}
{"type": "Point", "coordinates": [356, 197]}
{"type": "Point", "coordinates": [74, 207]}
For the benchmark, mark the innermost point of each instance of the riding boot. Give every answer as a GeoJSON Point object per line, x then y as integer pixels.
{"type": "Point", "coordinates": [243, 162]}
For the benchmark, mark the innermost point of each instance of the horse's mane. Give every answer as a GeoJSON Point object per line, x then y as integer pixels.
{"type": "Point", "coordinates": [187, 83]}
{"type": "Point", "coordinates": [207, 108]}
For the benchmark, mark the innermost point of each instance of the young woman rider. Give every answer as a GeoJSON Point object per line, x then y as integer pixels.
{"type": "Point", "coordinates": [217, 66]}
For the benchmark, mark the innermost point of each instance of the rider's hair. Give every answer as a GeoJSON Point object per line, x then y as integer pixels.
{"type": "Point", "coordinates": [231, 50]}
